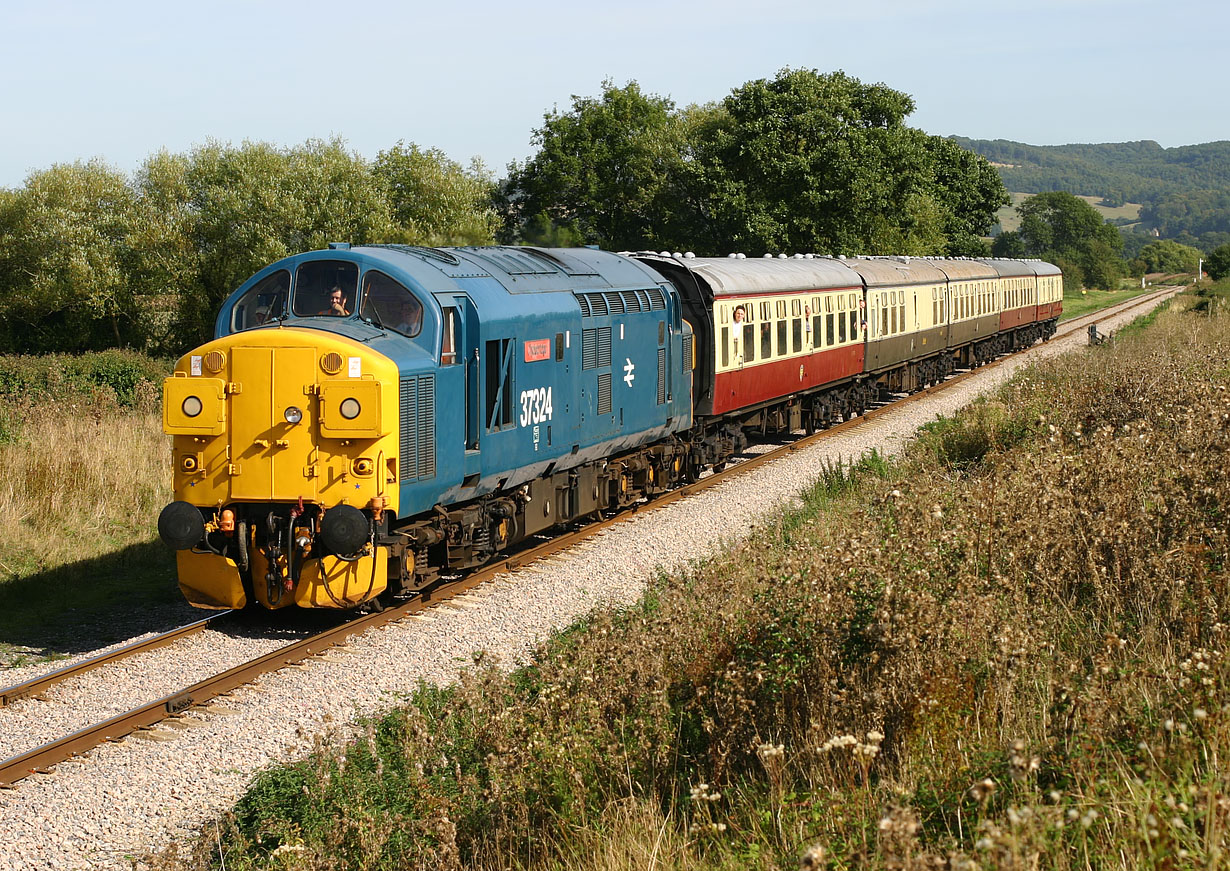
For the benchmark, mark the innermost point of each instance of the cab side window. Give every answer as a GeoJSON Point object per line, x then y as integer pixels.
{"type": "Point", "coordinates": [448, 342]}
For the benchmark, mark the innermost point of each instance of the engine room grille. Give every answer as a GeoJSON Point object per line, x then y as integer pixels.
{"type": "Point", "coordinates": [596, 348]}
{"type": "Point", "coordinates": [661, 376]}
{"type": "Point", "coordinates": [617, 302]}
{"type": "Point", "coordinates": [604, 347]}
{"type": "Point", "coordinates": [687, 351]}
{"type": "Point", "coordinates": [604, 393]}
{"type": "Point", "coordinates": [418, 427]}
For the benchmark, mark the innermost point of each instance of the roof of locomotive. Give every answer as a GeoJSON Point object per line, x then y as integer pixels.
{"type": "Point", "coordinates": [521, 269]}
{"type": "Point", "coordinates": [731, 276]}
{"type": "Point", "coordinates": [489, 275]}
{"type": "Point", "coordinates": [895, 271]}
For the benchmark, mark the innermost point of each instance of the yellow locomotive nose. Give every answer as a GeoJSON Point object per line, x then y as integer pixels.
{"type": "Point", "coordinates": [274, 432]}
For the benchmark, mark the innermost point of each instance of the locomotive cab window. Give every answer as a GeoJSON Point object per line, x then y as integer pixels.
{"type": "Point", "coordinates": [386, 303]}
{"type": "Point", "coordinates": [264, 302]}
{"type": "Point", "coordinates": [326, 287]}
{"type": "Point", "coordinates": [448, 338]}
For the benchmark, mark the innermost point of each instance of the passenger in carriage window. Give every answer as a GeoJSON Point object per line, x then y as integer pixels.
{"type": "Point", "coordinates": [736, 335]}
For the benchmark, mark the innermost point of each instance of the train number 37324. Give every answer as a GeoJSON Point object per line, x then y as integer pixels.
{"type": "Point", "coordinates": [535, 406]}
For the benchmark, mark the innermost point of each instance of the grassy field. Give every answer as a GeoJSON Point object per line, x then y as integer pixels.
{"type": "Point", "coordinates": [1009, 649]}
{"type": "Point", "coordinates": [1009, 220]}
{"type": "Point", "coordinates": [1084, 302]}
{"type": "Point", "coordinates": [83, 475]}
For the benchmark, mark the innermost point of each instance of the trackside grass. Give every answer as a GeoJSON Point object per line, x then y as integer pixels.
{"type": "Point", "coordinates": [1078, 303]}
{"type": "Point", "coordinates": [83, 475]}
{"type": "Point", "coordinates": [1008, 649]}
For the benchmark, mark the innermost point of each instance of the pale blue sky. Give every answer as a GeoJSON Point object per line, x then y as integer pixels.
{"type": "Point", "coordinates": [122, 80]}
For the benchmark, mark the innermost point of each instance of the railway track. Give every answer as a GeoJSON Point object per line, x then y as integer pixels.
{"type": "Point", "coordinates": [201, 693]}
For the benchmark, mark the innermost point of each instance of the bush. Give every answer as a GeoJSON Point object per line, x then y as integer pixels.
{"type": "Point", "coordinates": [124, 377]}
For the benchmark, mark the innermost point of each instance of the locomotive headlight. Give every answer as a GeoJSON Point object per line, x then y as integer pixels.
{"type": "Point", "coordinates": [192, 406]}
{"type": "Point", "coordinates": [350, 408]}
{"type": "Point", "coordinates": [293, 415]}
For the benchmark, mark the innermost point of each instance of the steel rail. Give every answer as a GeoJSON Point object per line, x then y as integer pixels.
{"type": "Point", "coordinates": [39, 760]}
{"type": "Point", "coordinates": [31, 687]}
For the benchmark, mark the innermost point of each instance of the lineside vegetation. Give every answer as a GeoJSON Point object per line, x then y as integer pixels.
{"type": "Point", "coordinates": [1006, 649]}
{"type": "Point", "coordinates": [83, 474]}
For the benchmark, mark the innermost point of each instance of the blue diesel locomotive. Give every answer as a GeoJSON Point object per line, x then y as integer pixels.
{"type": "Point", "coordinates": [368, 416]}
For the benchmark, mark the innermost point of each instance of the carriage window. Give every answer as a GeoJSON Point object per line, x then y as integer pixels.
{"type": "Point", "coordinates": [766, 311]}
{"type": "Point", "coordinates": [817, 321]}
{"type": "Point", "coordinates": [766, 338]}
{"type": "Point", "coordinates": [749, 343]}
{"type": "Point", "coordinates": [386, 303]}
{"type": "Point", "coordinates": [264, 302]}
{"type": "Point", "coordinates": [901, 310]}
{"type": "Point", "coordinates": [830, 330]}
{"type": "Point", "coordinates": [448, 341]}
{"type": "Point", "coordinates": [796, 334]}
{"type": "Point", "coordinates": [326, 287]}
{"type": "Point", "coordinates": [782, 327]}
{"type": "Point", "coordinates": [853, 325]}
{"type": "Point", "coordinates": [725, 342]}
{"type": "Point", "coordinates": [781, 308]}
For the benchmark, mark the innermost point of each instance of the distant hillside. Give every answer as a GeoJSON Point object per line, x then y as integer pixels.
{"type": "Point", "coordinates": [1184, 192]}
{"type": "Point", "coordinates": [1125, 216]}
{"type": "Point", "coordinates": [1140, 172]}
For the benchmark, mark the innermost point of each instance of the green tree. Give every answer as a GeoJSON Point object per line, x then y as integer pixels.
{"type": "Point", "coordinates": [801, 162]}
{"type": "Point", "coordinates": [1218, 264]}
{"type": "Point", "coordinates": [251, 205]}
{"type": "Point", "coordinates": [435, 200]}
{"type": "Point", "coordinates": [969, 191]}
{"type": "Point", "coordinates": [166, 261]}
{"type": "Point", "coordinates": [1008, 244]}
{"type": "Point", "coordinates": [819, 162]}
{"type": "Point", "coordinates": [1057, 225]}
{"type": "Point", "coordinates": [602, 171]}
{"type": "Point", "coordinates": [65, 253]}
{"type": "Point", "coordinates": [1166, 256]}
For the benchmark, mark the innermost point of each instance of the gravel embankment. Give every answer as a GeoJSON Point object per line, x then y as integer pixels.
{"type": "Point", "coordinates": [138, 794]}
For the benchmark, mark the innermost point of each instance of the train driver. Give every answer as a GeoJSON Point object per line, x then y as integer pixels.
{"type": "Point", "coordinates": [337, 303]}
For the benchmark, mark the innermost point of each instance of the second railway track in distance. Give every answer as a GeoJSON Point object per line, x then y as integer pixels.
{"type": "Point", "coordinates": [40, 759]}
